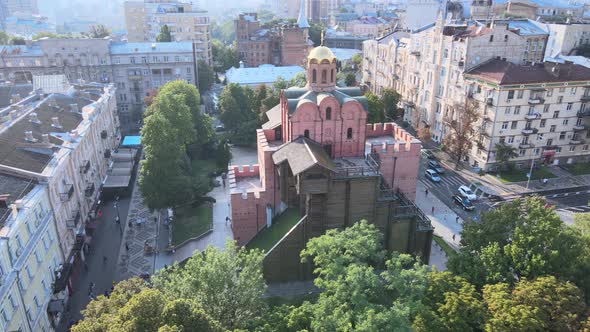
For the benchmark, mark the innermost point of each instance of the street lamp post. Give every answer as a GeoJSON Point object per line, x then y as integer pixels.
{"type": "Point", "coordinates": [530, 175]}
{"type": "Point", "coordinates": [118, 220]}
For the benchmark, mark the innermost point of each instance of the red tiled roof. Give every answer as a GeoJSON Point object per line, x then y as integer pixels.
{"type": "Point", "coordinates": [503, 72]}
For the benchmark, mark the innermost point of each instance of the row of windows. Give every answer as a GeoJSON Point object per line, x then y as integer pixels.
{"type": "Point", "coordinates": [348, 133]}
{"type": "Point", "coordinates": [155, 59]}
{"type": "Point", "coordinates": [324, 76]}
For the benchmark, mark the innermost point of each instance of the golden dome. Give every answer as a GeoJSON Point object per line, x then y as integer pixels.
{"type": "Point", "coordinates": [321, 53]}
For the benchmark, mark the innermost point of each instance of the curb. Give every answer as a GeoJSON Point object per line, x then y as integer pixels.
{"type": "Point", "coordinates": [196, 238]}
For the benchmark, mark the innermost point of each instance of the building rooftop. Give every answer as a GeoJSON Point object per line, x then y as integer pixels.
{"type": "Point", "coordinates": [53, 115]}
{"type": "Point", "coordinates": [547, 3]}
{"type": "Point", "coordinates": [302, 154]}
{"type": "Point", "coordinates": [23, 50]}
{"type": "Point", "coordinates": [298, 95]}
{"type": "Point", "coordinates": [7, 90]}
{"type": "Point", "coordinates": [503, 72]}
{"type": "Point", "coordinates": [262, 74]}
{"type": "Point", "coordinates": [16, 188]}
{"type": "Point", "coordinates": [131, 48]}
{"type": "Point", "coordinates": [525, 28]}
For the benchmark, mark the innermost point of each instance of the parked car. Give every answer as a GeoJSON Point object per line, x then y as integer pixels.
{"type": "Point", "coordinates": [428, 154]}
{"type": "Point", "coordinates": [432, 175]}
{"type": "Point", "coordinates": [463, 202]}
{"type": "Point", "coordinates": [433, 164]}
{"type": "Point", "coordinates": [467, 193]}
{"type": "Point", "coordinates": [219, 128]}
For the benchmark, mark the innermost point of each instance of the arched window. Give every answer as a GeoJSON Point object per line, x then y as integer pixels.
{"type": "Point", "coordinates": [314, 76]}
{"type": "Point", "coordinates": [324, 76]}
{"type": "Point", "coordinates": [306, 133]}
{"type": "Point", "coordinates": [349, 133]}
{"type": "Point", "coordinates": [332, 76]}
{"type": "Point", "coordinates": [329, 113]}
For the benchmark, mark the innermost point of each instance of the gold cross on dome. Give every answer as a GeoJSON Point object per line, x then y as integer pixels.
{"type": "Point", "coordinates": [322, 38]}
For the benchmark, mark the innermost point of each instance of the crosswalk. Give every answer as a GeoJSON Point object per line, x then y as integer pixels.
{"type": "Point", "coordinates": [446, 181]}
{"type": "Point", "coordinates": [576, 209]}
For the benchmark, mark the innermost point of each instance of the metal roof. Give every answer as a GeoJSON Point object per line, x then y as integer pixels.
{"type": "Point", "coordinates": [132, 48]}
{"type": "Point", "coordinates": [263, 74]}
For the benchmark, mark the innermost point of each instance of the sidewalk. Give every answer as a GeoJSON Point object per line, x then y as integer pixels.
{"type": "Point", "coordinates": [443, 219]}
{"type": "Point", "coordinates": [217, 238]}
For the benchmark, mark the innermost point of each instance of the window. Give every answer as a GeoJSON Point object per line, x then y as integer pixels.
{"type": "Point", "coordinates": [573, 148]}
{"type": "Point", "coordinates": [313, 76]}
{"type": "Point", "coordinates": [332, 76]}
{"type": "Point", "coordinates": [585, 147]}
{"type": "Point", "coordinates": [510, 139]}
{"type": "Point", "coordinates": [552, 129]}
{"type": "Point", "coordinates": [569, 106]}
{"type": "Point", "coordinates": [511, 94]}
{"type": "Point", "coordinates": [549, 92]}
{"type": "Point", "coordinates": [491, 38]}
{"type": "Point", "coordinates": [556, 114]}
{"type": "Point", "coordinates": [516, 110]}
{"type": "Point", "coordinates": [562, 135]}
{"type": "Point", "coordinates": [505, 38]}
{"type": "Point", "coordinates": [521, 152]}
{"type": "Point", "coordinates": [546, 108]}
{"type": "Point", "coordinates": [520, 94]}
{"type": "Point", "coordinates": [349, 133]}
{"type": "Point", "coordinates": [502, 140]}
{"type": "Point", "coordinates": [507, 111]}
{"type": "Point", "coordinates": [558, 149]}
{"type": "Point", "coordinates": [329, 113]}
{"type": "Point", "coordinates": [542, 123]}
{"type": "Point", "coordinates": [514, 125]}
{"type": "Point", "coordinates": [132, 59]}
{"type": "Point", "coordinates": [550, 141]}
{"type": "Point", "coordinates": [505, 125]}
{"type": "Point", "coordinates": [573, 90]}
{"type": "Point", "coordinates": [306, 133]}
{"type": "Point", "coordinates": [565, 122]}
{"type": "Point", "coordinates": [324, 76]}
{"type": "Point", "coordinates": [560, 99]}
{"type": "Point", "coordinates": [540, 137]}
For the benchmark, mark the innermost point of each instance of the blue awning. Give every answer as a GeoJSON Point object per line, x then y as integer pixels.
{"type": "Point", "coordinates": [131, 141]}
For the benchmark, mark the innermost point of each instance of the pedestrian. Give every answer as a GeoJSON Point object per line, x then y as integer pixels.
{"type": "Point", "coordinates": [117, 220]}
{"type": "Point", "coordinates": [433, 209]}
{"type": "Point", "coordinates": [426, 192]}
{"type": "Point", "coordinates": [223, 181]}
{"type": "Point", "coordinates": [453, 237]}
{"type": "Point", "coordinates": [126, 246]}
{"type": "Point", "coordinates": [457, 219]}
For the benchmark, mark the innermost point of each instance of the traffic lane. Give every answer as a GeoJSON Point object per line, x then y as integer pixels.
{"type": "Point", "coordinates": [577, 200]}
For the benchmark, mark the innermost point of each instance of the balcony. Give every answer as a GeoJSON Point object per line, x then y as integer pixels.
{"type": "Point", "coordinates": [585, 98]}
{"type": "Point", "coordinates": [85, 167]}
{"type": "Point", "coordinates": [532, 116]}
{"type": "Point", "coordinates": [62, 275]}
{"type": "Point", "coordinates": [581, 127]}
{"type": "Point", "coordinates": [104, 134]}
{"type": "Point", "coordinates": [135, 77]}
{"type": "Point", "coordinates": [526, 146]}
{"type": "Point", "coordinates": [67, 194]}
{"type": "Point", "coordinates": [530, 131]}
{"type": "Point", "coordinates": [576, 141]}
{"type": "Point", "coordinates": [550, 147]}
{"type": "Point", "coordinates": [536, 100]}
{"type": "Point", "coordinates": [73, 222]}
{"type": "Point", "coordinates": [89, 190]}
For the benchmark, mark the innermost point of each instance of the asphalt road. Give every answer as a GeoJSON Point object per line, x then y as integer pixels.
{"type": "Point", "coordinates": [444, 190]}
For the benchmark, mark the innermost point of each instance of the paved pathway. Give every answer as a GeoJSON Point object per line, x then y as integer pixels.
{"type": "Point", "coordinates": [140, 229]}
{"type": "Point", "coordinates": [217, 238]}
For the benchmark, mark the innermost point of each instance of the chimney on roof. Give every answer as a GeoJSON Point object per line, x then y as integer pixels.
{"type": "Point", "coordinates": [45, 138]}
{"type": "Point", "coordinates": [55, 122]}
{"type": "Point", "coordinates": [33, 118]}
{"type": "Point", "coordinates": [74, 108]}
{"type": "Point", "coordinates": [4, 201]}
{"type": "Point", "coordinates": [29, 137]}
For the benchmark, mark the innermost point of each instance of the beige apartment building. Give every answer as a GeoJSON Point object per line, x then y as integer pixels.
{"type": "Point", "coordinates": [433, 69]}
{"type": "Point", "coordinates": [319, 11]}
{"type": "Point", "coordinates": [186, 22]}
{"type": "Point", "coordinates": [540, 110]}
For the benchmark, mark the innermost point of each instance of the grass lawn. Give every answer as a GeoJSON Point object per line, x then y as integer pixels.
{"type": "Point", "coordinates": [580, 168]}
{"type": "Point", "coordinates": [444, 245]}
{"type": "Point", "coordinates": [518, 175]}
{"type": "Point", "coordinates": [190, 222]}
{"type": "Point", "coordinates": [202, 169]}
{"type": "Point", "coordinates": [268, 237]}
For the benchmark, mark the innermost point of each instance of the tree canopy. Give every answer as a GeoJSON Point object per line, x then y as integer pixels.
{"type": "Point", "coordinates": [224, 57]}
{"type": "Point", "coordinates": [206, 76]}
{"type": "Point", "coordinates": [164, 36]}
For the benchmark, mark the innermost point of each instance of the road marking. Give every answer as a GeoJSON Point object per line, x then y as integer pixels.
{"type": "Point", "coordinates": [565, 194]}
{"type": "Point", "coordinates": [577, 192]}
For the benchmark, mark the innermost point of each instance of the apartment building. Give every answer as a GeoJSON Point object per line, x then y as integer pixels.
{"type": "Point", "coordinates": [319, 11]}
{"type": "Point", "coordinates": [135, 68]}
{"type": "Point", "coordinates": [429, 65]}
{"type": "Point", "coordinates": [564, 38]}
{"type": "Point", "coordinates": [139, 68]}
{"type": "Point", "coordinates": [63, 140]}
{"type": "Point", "coordinates": [30, 257]}
{"type": "Point", "coordinates": [540, 110]}
{"type": "Point", "coordinates": [186, 22]}
{"type": "Point", "coordinates": [20, 6]}
{"type": "Point", "coordinates": [420, 13]}
{"type": "Point", "coordinates": [370, 27]}
{"type": "Point", "coordinates": [281, 45]}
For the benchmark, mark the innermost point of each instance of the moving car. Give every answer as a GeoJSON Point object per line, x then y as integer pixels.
{"type": "Point", "coordinates": [436, 166]}
{"type": "Point", "coordinates": [428, 154]}
{"type": "Point", "coordinates": [219, 128]}
{"type": "Point", "coordinates": [467, 193]}
{"type": "Point", "coordinates": [432, 175]}
{"type": "Point", "coordinates": [463, 202]}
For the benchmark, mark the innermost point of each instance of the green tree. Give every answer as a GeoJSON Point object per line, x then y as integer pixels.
{"type": "Point", "coordinates": [227, 283]}
{"type": "Point", "coordinates": [521, 239]}
{"type": "Point", "coordinates": [390, 99]}
{"type": "Point", "coordinates": [300, 80]}
{"type": "Point", "coordinates": [350, 79]}
{"type": "Point", "coordinates": [17, 41]}
{"type": "Point", "coordinates": [452, 304]}
{"type": "Point", "coordinates": [376, 108]}
{"type": "Point", "coordinates": [4, 38]}
{"type": "Point", "coordinates": [206, 76]}
{"type": "Point", "coordinates": [236, 113]}
{"type": "Point", "coordinates": [164, 36]}
{"type": "Point", "coordinates": [355, 295]}
{"type": "Point", "coordinates": [543, 304]}
{"type": "Point", "coordinates": [280, 84]}
{"type": "Point", "coordinates": [315, 33]}
{"type": "Point", "coordinates": [504, 153]}
{"type": "Point", "coordinates": [460, 122]}
{"type": "Point", "coordinates": [52, 35]}
{"type": "Point", "coordinates": [224, 57]}
{"type": "Point", "coordinates": [99, 31]}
